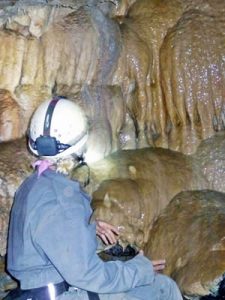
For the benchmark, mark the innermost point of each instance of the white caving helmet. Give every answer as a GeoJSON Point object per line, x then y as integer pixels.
{"type": "Point", "coordinates": [57, 129]}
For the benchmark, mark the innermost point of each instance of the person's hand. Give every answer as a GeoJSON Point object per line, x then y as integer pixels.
{"type": "Point", "coordinates": [107, 232]}
{"type": "Point", "coordinates": [158, 265]}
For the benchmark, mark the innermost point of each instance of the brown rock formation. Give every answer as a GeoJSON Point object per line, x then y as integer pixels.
{"type": "Point", "coordinates": [152, 176]}
{"type": "Point", "coordinates": [186, 103]}
{"type": "Point", "coordinates": [190, 235]}
{"type": "Point", "coordinates": [132, 187]}
{"type": "Point", "coordinates": [151, 75]}
{"type": "Point", "coordinates": [192, 77]}
{"type": "Point", "coordinates": [151, 20]}
{"type": "Point", "coordinates": [210, 158]}
{"type": "Point", "coordinates": [166, 56]}
{"type": "Point", "coordinates": [10, 124]}
{"type": "Point", "coordinates": [15, 165]}
{"type": "Point", "coordinates": [47, 53]}
{"type": "Point", "coordinates": [133, 74]}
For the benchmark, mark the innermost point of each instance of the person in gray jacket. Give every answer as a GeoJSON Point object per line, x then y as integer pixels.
{"type": "Point", "coordinates": [51, 242]}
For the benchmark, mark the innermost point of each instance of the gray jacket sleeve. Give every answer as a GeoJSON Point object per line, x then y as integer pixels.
{"type": "Point", "coordinates": [69, 241]}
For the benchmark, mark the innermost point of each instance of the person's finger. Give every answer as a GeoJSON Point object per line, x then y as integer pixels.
{"type": "Point", "coordinates": [159, 265]}
{"type": "Point", "coordinates": [99, 230]}
{"type": "Point", "coordinates": [107, 232]}
{"type": "Point", "coordinates": [159, 262]}
{"type": "Point", "coordinates": [111, 236]}
{"type": "Point", "coordinates": [100, 227]}
{"type": "Point", "coordinates": [113, 229]}
{"type": "Point", "coordinates": [107, 226]}
{"type": "Point", "coordinates": [141, 252]}
{"type": "Point", "coordinates": [107, 237]}
{"type": "Point", "coordinates": [104, 239]}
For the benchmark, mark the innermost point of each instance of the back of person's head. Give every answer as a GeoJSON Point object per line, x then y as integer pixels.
{"type": "Point", "coordinates": [58, 129]}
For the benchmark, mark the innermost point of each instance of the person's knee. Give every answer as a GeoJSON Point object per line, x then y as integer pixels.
{"type": "Point", "coordinates": [168, 286]}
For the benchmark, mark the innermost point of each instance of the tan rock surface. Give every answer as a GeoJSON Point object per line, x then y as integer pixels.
{"type": "Point", "coordinates": [192, 76]}
{"type": "Point", "coordinates": [15, 165]}
{"type": "Point", "coordinates": [210, 158]}
{"type": "Point", "coordinates": [131, 188]}
{"type": "Point", "coordinates": [152, 76]}
{"type": "Point", "coordinates": [106, 112]}
{"type": "Point", "coordinates": [42, 50]}
{"type": "Point", "coordinates": [151, 21]}
{"type": "Point", "coordinates": [154, 175]}
{"type": "Point", "coordinates": [187, 71]}
{"type": "Point", "coordinates": [10, 123]}
{"type": "Point", "coordinates": [166, 56]}
{"type": "Point", "coordinates": [190, 235]}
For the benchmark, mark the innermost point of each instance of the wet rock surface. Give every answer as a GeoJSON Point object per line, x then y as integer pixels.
{"type": "Point", "coordinates": [132, 187]}
{"type": "Point", "coordinates": [6, 282]}
{"type": "Point", "coordinates": [15, 165]}
{"type": "Point", "coordinates": [190, 235]}
{"type": "Point", "coordinates": [167, 57]}
{"type": "Point", "coordinates": [150, 73]}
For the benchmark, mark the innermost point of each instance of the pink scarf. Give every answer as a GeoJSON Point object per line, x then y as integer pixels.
{"type": "Point", "coordinates": [42, 165]}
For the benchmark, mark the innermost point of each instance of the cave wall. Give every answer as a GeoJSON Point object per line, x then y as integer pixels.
{"type": "Point", "coordinates": [166, 57]}
{"type": "Point", "coordinates": [194, 253]}
{"type": "Point", "coordinates": [148, 74]}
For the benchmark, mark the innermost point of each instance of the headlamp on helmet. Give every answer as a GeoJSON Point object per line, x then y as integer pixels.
{"type": "Point", "coordinates": [48, 146]}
